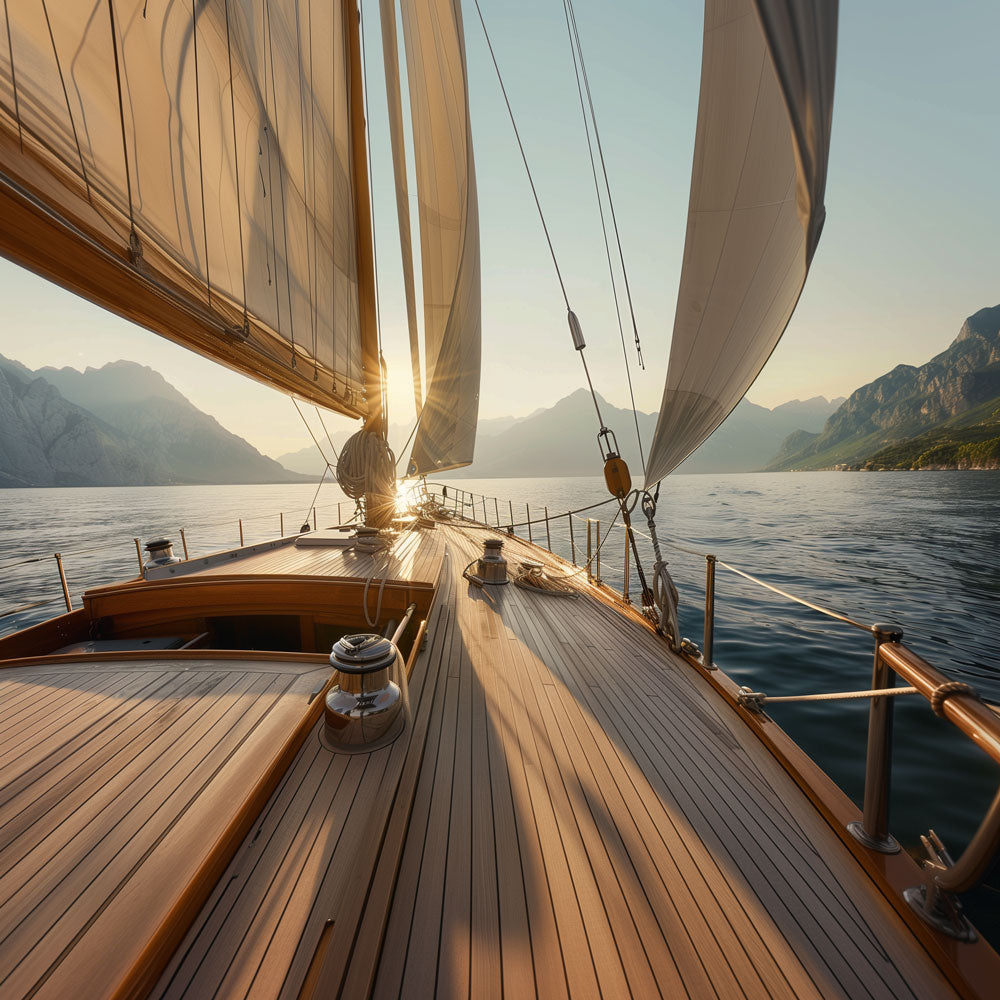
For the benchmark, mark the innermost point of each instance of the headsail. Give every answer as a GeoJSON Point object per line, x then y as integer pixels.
{"type": "Point", "coordinates": [756, 207]}
{"type": "Point", "coordinates": [189, 166]}
{"type": "Point", "coordinates": [449, 233]}
{"type": "Point", "coordinates": [390, 57]}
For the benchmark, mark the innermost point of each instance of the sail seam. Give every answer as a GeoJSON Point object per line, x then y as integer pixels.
{"type": "Point", "coordinates": [13, 78]}
{"type": "Point", "coordinates": [236, 165]}
{"type": "Point", "coordinates": [201, 162]}
{"type": "Point", "coordinates": [69, 109]}
{"type": "Point", "coordinates": [281, 189]}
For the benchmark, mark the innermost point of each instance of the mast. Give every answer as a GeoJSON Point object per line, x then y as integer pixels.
{"type": "Point", "coordinates": [367, 307]}
{"type": "Point", "coordinates": [379, 508]}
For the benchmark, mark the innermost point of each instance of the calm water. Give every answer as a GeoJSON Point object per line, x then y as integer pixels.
{"type": "Point", "coordinates": [921, 550]}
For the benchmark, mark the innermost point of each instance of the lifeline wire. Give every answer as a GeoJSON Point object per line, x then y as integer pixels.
{"type": "Point", "coordinates": [798, 600]}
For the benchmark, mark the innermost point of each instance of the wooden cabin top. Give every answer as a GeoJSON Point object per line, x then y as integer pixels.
{"type": "Point", "coordinates": [571, 810]}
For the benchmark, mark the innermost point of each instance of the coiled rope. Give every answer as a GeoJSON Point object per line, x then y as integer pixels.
{"type": "Point", "coordinates": [366, 466]}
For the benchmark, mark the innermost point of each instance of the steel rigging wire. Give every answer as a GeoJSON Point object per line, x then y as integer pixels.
{"type": "Point", "coordinates": [576, 51]}
{"type": "Point", "coordinates": [615, 470]}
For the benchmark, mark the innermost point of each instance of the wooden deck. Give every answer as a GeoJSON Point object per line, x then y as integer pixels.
{"type": "Point", "coordinates": [573, 812]}
{"type": "Point", "coordinates": [414, 558]}
{"type": "Point", "coordinates": [124, 787]}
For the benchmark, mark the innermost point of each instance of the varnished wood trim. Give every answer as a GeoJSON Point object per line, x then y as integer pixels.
{"type": "Point", "coordinates": [367, 306]}
{"type": "Point", "coordinates": [415, 649]}
{"type": "Point", "coordinates": [160, 656]}
{"type": "Point", "coordinates": [65, 628]}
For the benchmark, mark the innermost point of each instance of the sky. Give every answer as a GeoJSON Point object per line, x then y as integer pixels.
{"type": "Point", "coordinates": [908, 251]}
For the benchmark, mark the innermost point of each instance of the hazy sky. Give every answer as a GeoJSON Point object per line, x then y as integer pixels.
{"type": "Point", "coordinates": [910, 246]}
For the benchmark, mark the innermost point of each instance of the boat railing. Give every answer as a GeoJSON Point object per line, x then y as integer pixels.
{"type": "Point", "coordinates": [956, 701]}
{"type": "Point", "coordinates": [238, 523]}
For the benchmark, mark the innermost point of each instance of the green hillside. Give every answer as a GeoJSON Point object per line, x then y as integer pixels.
{"type": "Point", "coordinates": [971, 441]}
{"type": "Point", "coordinates": [959, 388]}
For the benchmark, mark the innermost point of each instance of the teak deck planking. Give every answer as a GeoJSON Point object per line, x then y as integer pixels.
{"type": "Point", "coordinates": [572, 811]}
{"type": "Point", "coordinates": [108, 812]}
{"type": "Point", "coordinates": [585, 820]}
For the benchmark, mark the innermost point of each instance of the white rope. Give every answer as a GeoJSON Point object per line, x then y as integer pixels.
{"type": "Point", "coordinates": [755, 700]}
{"type": "Point", "coordinates": [844, 695]}
{"type": "Point", "coordinates": [798, 600]}
{"type": "Point", "coordinates": [366, 466]}
{"type": "Point", "coordinates": [381, 588]}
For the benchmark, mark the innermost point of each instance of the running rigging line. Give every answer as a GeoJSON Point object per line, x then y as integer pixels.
{"type": "Point", "coordinates": [524, 158]}
{"type": "Point", "coordinates": [604, 229]}
{"type": "Point", "coordinates": [607, 184]}
{"type": "Point", "coordinates": [574, 324]}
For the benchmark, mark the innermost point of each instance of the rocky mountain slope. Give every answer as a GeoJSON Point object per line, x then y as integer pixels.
{"type": "Point", "coordinates": [561, 440]}
{"type": "Point", "coordinates": [952, 388]}
{"type": "Point", "coordinates": [969, 441]}
{"type": "Point", "coordinates": [120, 425]}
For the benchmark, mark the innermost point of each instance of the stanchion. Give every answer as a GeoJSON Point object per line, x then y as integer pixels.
{"type": "Point", "coordinates": [62, 580]}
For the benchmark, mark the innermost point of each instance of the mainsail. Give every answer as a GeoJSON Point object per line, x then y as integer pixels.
{"type": "Point", "coordinates": [449, 233]}
{"type": "Point", "coordinates": [756, 207]}
{"type": "Point", "coordinates": [190, 166]}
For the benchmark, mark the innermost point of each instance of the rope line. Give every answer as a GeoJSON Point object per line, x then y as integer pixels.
{"type": "Point", "coordinates": [201, 162]}
{"type": "Point", "coordinates": [281, 189]}
{"type": "Point", "coordinates": [604, 228]}
{"type": "Point", "coordinates": [322, 454]}
{"type": "Point", "coordinates": [798, 600]}
{"type": "Point", "coordinates": [682, 548]}
{"type": "Point", "coordinates": [756, 698]}
{"type": "Point", "coordinates": [524, 158]}
{"type": "Point", "coordinates": [319, 486]}
{"type": "Point", "coordinates": [326, 431]}
{"type": "Point", "coordinates": [69, 109]}
{"type": "Point", "coordinates": [121, 118]}
{"type": "Point", "coordinates": [607, 184]}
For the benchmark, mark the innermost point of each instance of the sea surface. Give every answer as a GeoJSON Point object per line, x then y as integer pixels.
{"type": "Point", "coordinates": [920, 550]}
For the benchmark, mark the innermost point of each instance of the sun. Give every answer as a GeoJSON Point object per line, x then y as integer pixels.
{"type": "Point", "coordinates": [405, 496]}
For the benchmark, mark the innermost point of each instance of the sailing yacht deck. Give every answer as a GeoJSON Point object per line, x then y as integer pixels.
{"type": "Point", "coordinates": [574, 812]}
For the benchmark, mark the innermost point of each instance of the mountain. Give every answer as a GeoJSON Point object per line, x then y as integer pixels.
{"type": "Point", "coordinates": [309, 461]}
{"type": "Point", "coordinates": [561, 440]}
{"type": "Point", "coordinates": [952, 389]}
{"type": "Point", "coordinates": [47, 441]}
{"type": "Point", "coordinates": [120, 425]}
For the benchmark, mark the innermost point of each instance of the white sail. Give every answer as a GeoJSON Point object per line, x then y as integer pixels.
{"type": "Point", "coordinates": [189, 165]}
{"type": "Point", "coordinates": [756, 207]}
{"type": "Point", "coordinates": [449, 233]}
{"type": "Point", "coordinates": [390, 56]}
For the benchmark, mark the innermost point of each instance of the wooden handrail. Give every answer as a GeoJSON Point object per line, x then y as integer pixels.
{"type": "Point", "coordinates": [974, 718]}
